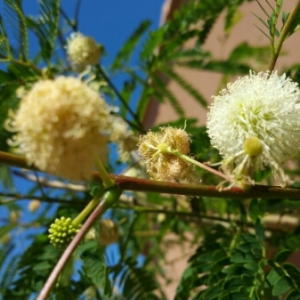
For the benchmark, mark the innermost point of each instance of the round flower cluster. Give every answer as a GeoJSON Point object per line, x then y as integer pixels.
{"type": "Point", "coordinates": [254, 123]}
{"type": "Point", "coordinates": [108, 232]}
{"type": "Point", "coordinates": [162, 165]}
{"type": "Point", "coordinates": [83, 50]}
{"type": "Point", "coordinates": [123, 137]}
{"type": "Point", "coordinates": [62, 231]}
{"type": "Point", "coordinates": [61, 127]}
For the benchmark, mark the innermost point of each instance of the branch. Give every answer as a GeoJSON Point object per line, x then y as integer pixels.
{"type": "Point", "coordinates": [16, 197]}
{"type": "Point", "coordinates": [52, 183]}
{"type": "Point", "coordinates": [144, 185]}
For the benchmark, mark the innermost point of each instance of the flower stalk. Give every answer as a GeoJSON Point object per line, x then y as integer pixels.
{"type": "Point", "coordinates": [107, 181]}
{"type": "Point", "coordinates": [86, 211]}
{"type": "Point", "coordinates": [197, 163]}
{"type": "Point", "coordinates": [282, 36]}
{"type": "Point", "coordinates": [145, 185]}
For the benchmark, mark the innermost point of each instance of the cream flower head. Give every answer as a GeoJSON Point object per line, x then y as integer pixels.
{"type": "Point", "coordinates": [125, 138]}
{"type": "Point", "coordinates": [162, 165]}
{"type": "Point", "coordinates": [83, 50]}
{"type": "Point", "coordinates": [254, 123]}
{"type": "Point", "coordinates": [60, 127]}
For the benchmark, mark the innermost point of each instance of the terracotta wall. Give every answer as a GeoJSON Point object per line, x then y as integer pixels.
{"type": "Point", "coordinates": [220, 46]}
{"type": "Point", "coordinates": [207, 83]}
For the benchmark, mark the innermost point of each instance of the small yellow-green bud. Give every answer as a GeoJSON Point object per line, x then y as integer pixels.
{"type": "Point", "coordinates": [253, 146]}
{"type": "Point", "coordinates": [163, 148]}
{"type": "Point", "coordinates": [108, 232]}
{"type": "Point", "coordinates": [14, 216]}
{"type": "Point", "coordinates": [161, 217]}
{"type": "Point", "coordinates": [5, 239]}
{"type": "Point", "coordinates": [62, 231]}
{"type": "Point", "coordinates": [91, 235]}
{"type": "Point", "coordinates": [34, 205]}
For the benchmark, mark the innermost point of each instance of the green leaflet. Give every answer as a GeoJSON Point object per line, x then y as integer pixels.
{"type": "Point", "coordinates": [46, 27]}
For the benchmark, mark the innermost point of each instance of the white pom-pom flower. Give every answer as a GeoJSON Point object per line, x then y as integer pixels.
{"type": "Point", "coordinates": [255, 122]}
{"type": "Point", "coordinates": [61, 127]}
{"type": "Point", "coordinates": [83, 50]}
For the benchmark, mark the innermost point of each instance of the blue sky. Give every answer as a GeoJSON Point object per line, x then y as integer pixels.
{"type": "Point", "coordinates": [109, 22]}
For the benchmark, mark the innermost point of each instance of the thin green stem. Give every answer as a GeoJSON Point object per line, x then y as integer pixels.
{"type": "Point", "coordinates": [123, 101]}
{"type": "Point", "coordinates": [21, 63]}
{"type": "Point", "coordinates": [77, 10]}
{"type": "Point", "coordinates": [107, 181]}
{"type": "Point", "coordinates": [86, 211]}
{"type": "Point", "coordinates": [283, 35]}
{"type": "Point", "coordinates": [197, 163]}
{"type": "Point", "coordinates": [71, 23]}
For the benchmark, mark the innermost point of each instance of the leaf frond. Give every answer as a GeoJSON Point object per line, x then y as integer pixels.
{"type": "Point", "coordinates": [186, 86]}
{"type": "Point", "coordinates": [126, 51]}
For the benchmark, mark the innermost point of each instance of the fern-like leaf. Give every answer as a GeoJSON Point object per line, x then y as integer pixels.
{"type": "Point", "coordinates": [186, 86]}
{"type": "Point", "coordinates": [4, 42]}
{"type": "Point", "coordinates": [136, 282]}
{"type": "Point", "coordinates": [125, 53]}
{"type": "Point", "coordinates": [18, 19]}
{"type": "Point", "coordinates": [46, 26]}
{"type": "Point", "coordinates": [162, 88]}
{"type": "Point", "coordinates": [226, 67]}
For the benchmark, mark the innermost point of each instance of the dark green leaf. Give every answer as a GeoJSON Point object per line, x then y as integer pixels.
{"type": "Point", "coordinates": [226, 67]}
{"type": "Point", "coordinates": [6, 177]}
{"type": "Point", "coordinates": [211, 293]}
{"type": "Point", "coordinates": [88, 245]}
{"type": "Point", "coordinates": [282, 255]}
{"type": "Point", "coordinates": [293, 295]}
{"type": "Point", "coordinates": [259, 229]}
{"type": "Point", "coordinates": [44, 265]}
{"type": "Point", "coordinates": [243, 52]}
{"type": "Point", "coordinates": [274, 275]}
{"type": "Point", "coordinates": [281, 286]}
{"type": "Point", "coordinates": [242, 258]}
{"type": "Point", "coordinates": [293, 272]}
{"type": "Point", "coordinates": [251, 267]}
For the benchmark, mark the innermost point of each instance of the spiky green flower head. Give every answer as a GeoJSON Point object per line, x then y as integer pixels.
{"type": "Point", "coordinates": [83, 50]}
{"type": "Point", "coordinates": [254, 122]}
{"type": "Point", "coordinates": [62, 231]}
{"type": "Point", "coordinates": [61, 127]}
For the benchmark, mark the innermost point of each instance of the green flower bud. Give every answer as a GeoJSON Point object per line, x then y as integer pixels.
{"type": "Point", "coordinates": [108, 232]}
{"type": "Point", "coordinates": [253, 146]}
{"type": "Point", "coordinates": [62, 231]}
